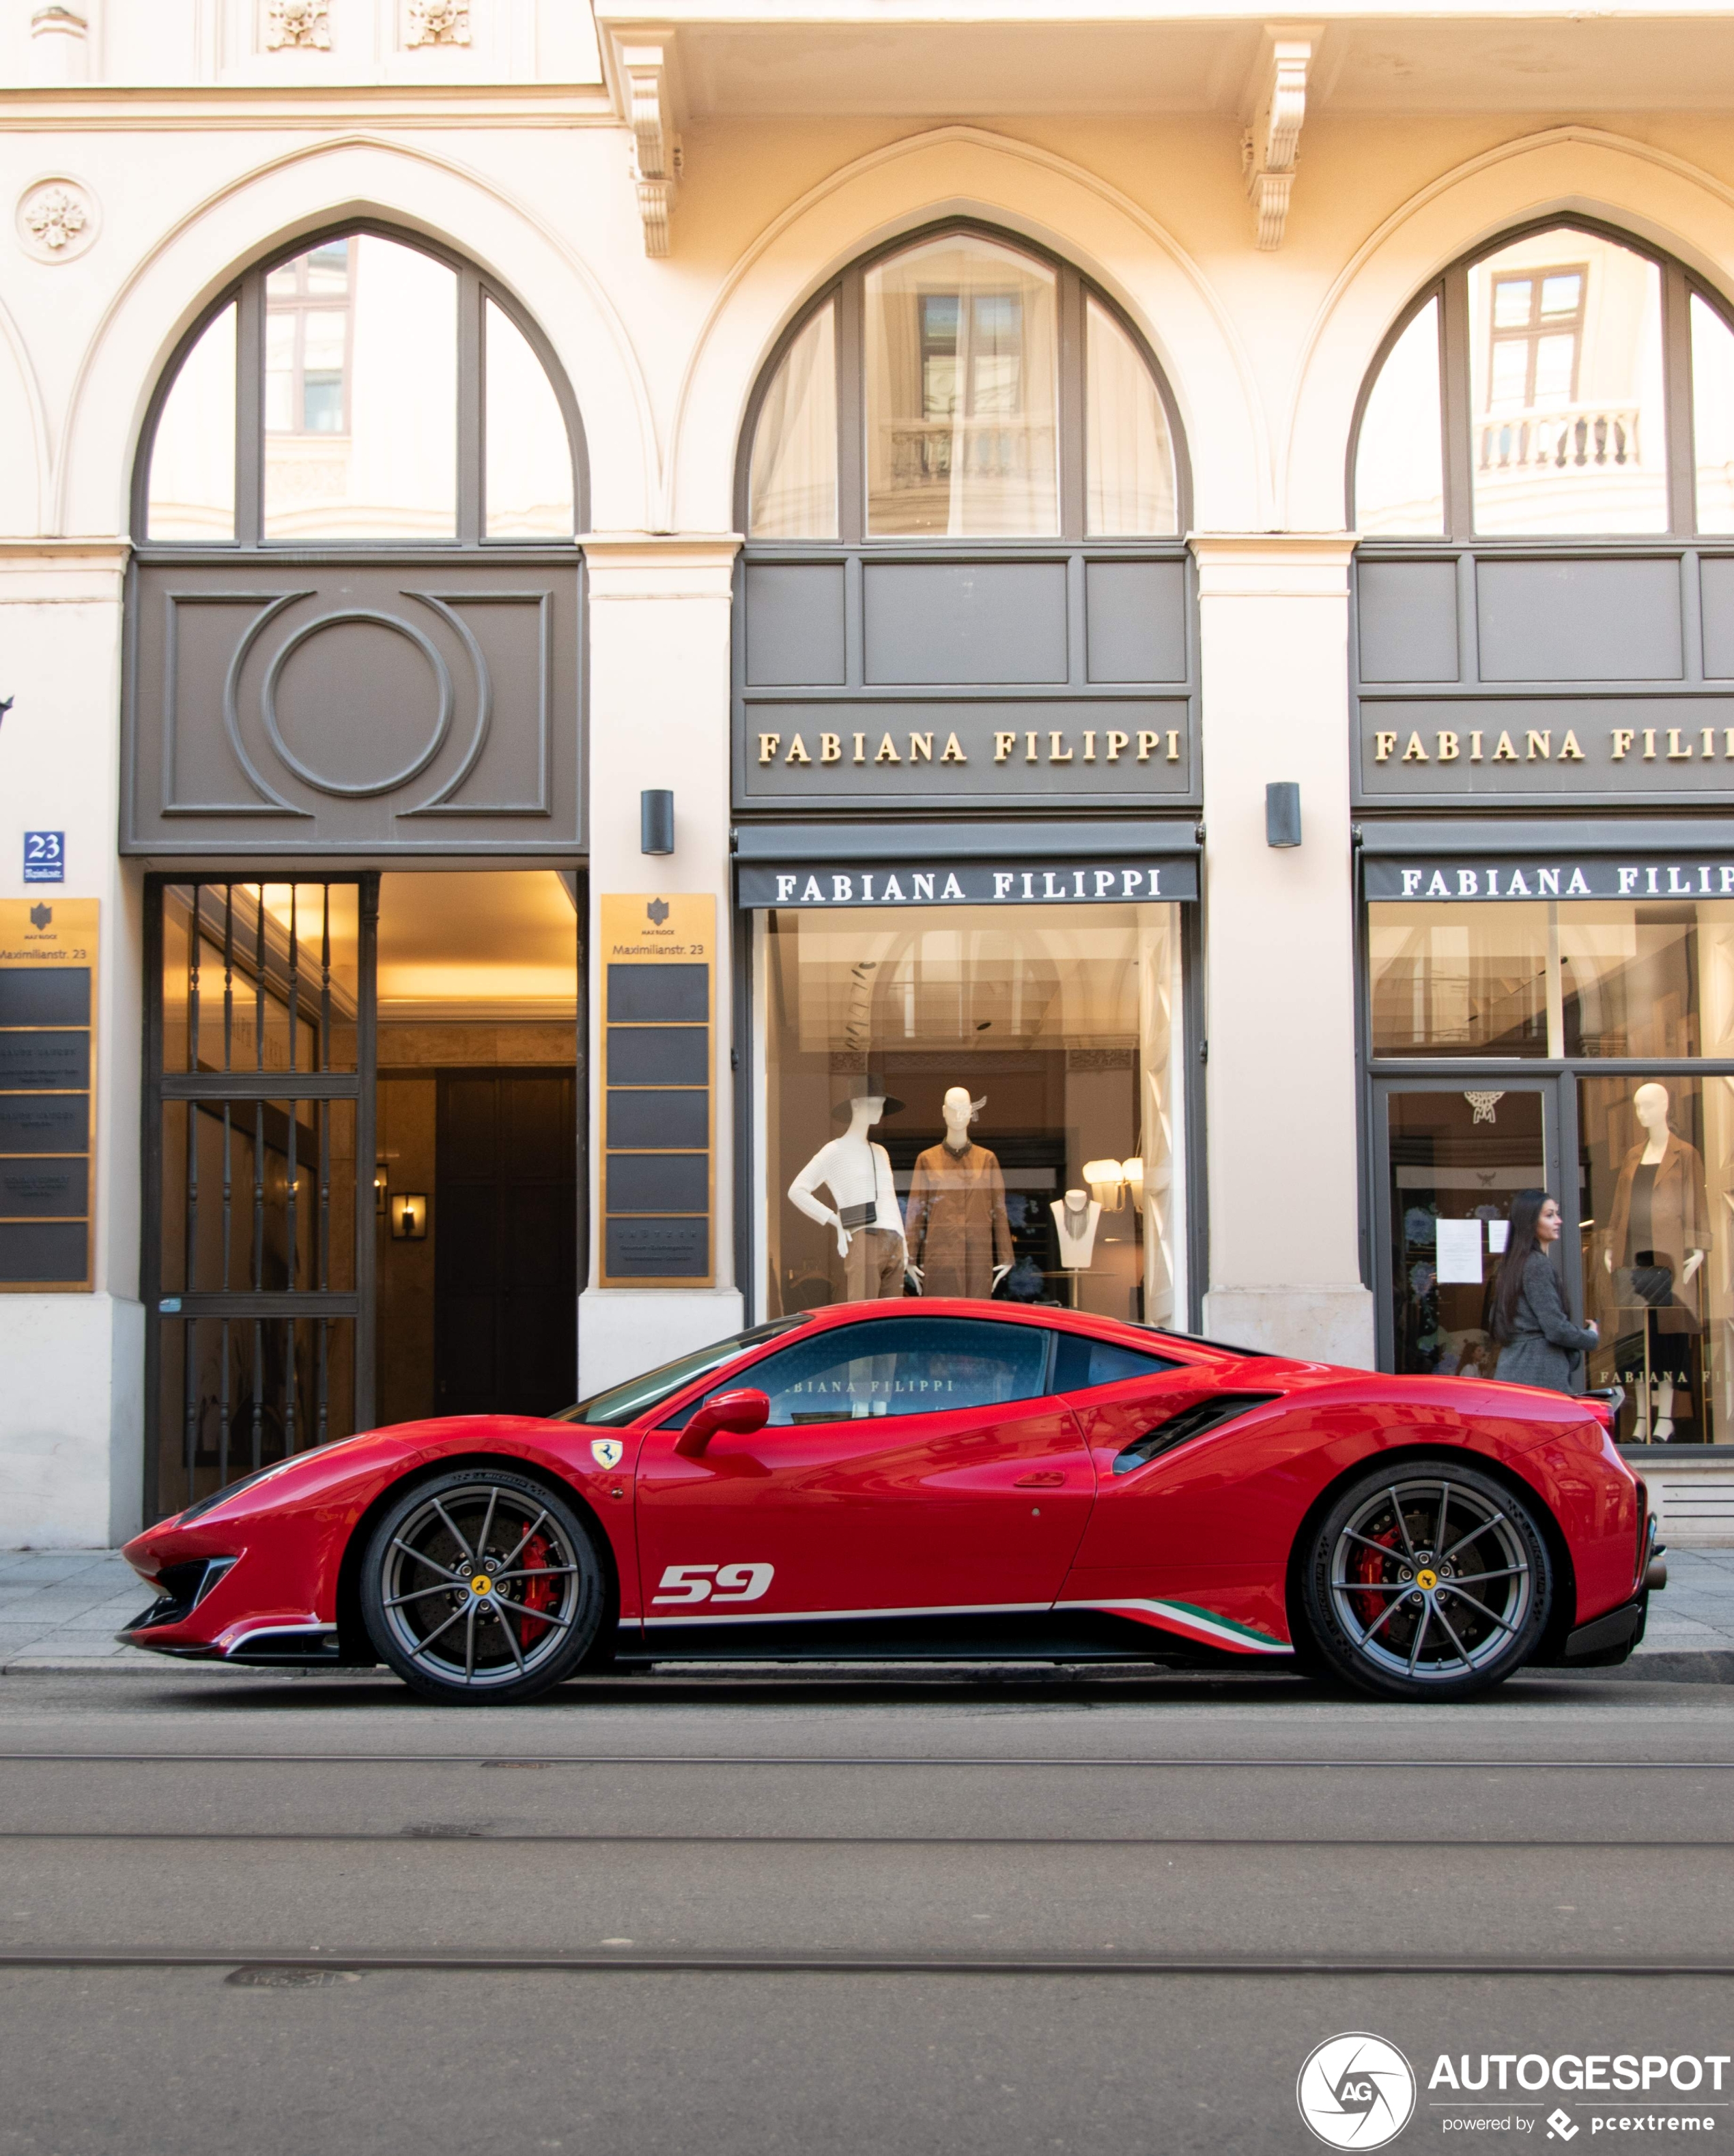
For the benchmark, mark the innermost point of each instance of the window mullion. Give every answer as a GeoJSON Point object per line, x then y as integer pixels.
{"type": "Point", "coordinates": [1071, 415]}
{"type": "Point", "coordinates": [250, 410]}
{"type": "Point", "coordinates": [470, 448]}
{"type": "Point", "coordinates": [1677, 401]}
{"type": "Point", "coordinates": [1459, 421]}
{"type": "Point", "coordinates": [852, 413]}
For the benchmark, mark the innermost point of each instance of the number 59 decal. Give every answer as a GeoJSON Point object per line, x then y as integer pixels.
{"type": "Point", "coordinates": [714, 1582]}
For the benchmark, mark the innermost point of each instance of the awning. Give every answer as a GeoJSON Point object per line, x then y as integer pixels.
{"type": "Point", "coordinates": [886, 863]}
{"type": "Point", "coordinates": [1639, 857]}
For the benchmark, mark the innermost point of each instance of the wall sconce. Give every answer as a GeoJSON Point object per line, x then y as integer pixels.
{"type": "Point", "coordinates": [381, 1183]}
{"type": "Point", "coordinates": [655, 821]}
{"type": "Point", "coordinates": [1282, 813]}
{"type": "Point", "coordinates": [1107, 1182]}
{"type": "Point", "coordinates": [409, 1216]}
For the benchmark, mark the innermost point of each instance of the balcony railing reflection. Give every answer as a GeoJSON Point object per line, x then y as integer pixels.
{"type": "Point", "coordinates": [1598, 437]}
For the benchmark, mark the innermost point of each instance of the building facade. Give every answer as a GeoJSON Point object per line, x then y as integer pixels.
{"type": "Point", "coordinates": [661, 668]}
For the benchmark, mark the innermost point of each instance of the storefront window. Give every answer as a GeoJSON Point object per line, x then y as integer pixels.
{"type": "Point", "coordinates": [973, 1101]}
{"type": "Point", "coordinates": [1657, 1172]}
{"type": "Point", "coordinates": [1591, 978]}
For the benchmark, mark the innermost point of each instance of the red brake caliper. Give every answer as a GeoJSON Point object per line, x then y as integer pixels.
{"type": "Point", "coordinates": [1369, 1566]}
{"type": "Point", "coordinates": [533, 1594]}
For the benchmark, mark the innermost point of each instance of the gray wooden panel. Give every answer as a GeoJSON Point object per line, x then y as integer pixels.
{"type": "Point", "coordinates": [1579, 620]}
{"type": "Point", "coordinates": [659, 1183]}
{"type": "Point", "coordinates": [795, 624]}
{"type": "Point", "coordinates": [1136, 621]}
{"type": "Point", "coordinates": [44, 1190]}
{"type": "Point", "coordinates": [999, 623]}
{"type": "Point", "coordinates": [284, 706]}
{"type": "Point", "coordinates": [658, 1116]}
{"type": "Point", "coordinates": [660, 995]}
{"type": "Point", "coordinates": [53, 996]}
{"type": "Point", "coordinates": [658, 1249]}
{"type": "Point", "coordinates": [659, 1054]}
{"type": "Point", "coordinates": [1408, 615]}
{"type": "Point", "coordinates": [1716, 574]}
{"type": "Point", "coordinates": [50, 1251]}
{"type": "Point", "coordinates": [44, 1122]}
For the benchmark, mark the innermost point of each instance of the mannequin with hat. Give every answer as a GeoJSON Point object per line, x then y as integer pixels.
{"type": "Point", "coordinates": [863, 1209]}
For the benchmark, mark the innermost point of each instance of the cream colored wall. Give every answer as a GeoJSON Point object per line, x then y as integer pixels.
{"type": "Point", "coordinates": [510, 153]}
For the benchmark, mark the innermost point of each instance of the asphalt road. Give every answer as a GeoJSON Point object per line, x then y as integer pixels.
{"type": "Point", "coordinates": [1107, 1913]}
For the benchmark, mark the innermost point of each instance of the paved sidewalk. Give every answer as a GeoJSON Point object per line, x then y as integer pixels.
{"type": "Point", "coordinates": [63, 1607]}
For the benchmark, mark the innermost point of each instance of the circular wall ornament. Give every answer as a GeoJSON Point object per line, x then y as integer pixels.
{"type": "Point", "coordinates": [442, 725]}
{"type": "Point", "coordinates": [57, 218]}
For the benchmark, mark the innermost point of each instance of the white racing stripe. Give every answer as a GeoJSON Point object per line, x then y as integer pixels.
{"type": "Point", "coordinates": [702, 1613]}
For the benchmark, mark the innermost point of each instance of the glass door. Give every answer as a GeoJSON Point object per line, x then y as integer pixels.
{"type": "Point", "coordinates": [1449, 1161]}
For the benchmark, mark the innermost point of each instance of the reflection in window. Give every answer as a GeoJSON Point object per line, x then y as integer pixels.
{"type": "Point", "coordinates": [1061, 1022]}
{"type": "Point", "coordinates": [794, 483]}
{"type": "Point", "coordinates": [361, 394]}
{"type": "Point", "coordinates": [1129, 482]}
{"type": "Point", "coordinates": [1399, 471]}
{"type": "Point", "coordinates": [1654, 1155]}
{"type": "Point", "coordinates": [1568, 426]}
{"type": "Point", "coordinates": [1593, 977]}
{"type": "Point", "coordinates": [1713, 415]}
{"type": "Point", "coordinates": [529, 459]}
{"type": "Point", "coordinates": [192, 494]}
{"type": "Point", "coordinates": [903, 1366]}
{"type": "Point", "coordinates": [1459, 980]}
{"type": "Point", "coordinates": [962, 362]}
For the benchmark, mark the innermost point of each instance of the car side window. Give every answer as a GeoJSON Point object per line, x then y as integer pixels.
{"type": "Point", "coordinates": [900, 1365]}
{"type": "Point", "coordinates": [1082, 1364]}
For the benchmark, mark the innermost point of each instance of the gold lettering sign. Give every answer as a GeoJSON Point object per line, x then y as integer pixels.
{"type": "Point", "coordinates": [659, 971]}
{"type": "Point", "coordinates": [48, 1094]}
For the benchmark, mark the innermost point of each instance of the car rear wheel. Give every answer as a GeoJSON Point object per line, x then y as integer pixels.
{"type": "Point", "coordinates": [1428, 1580]}
{"type": "Point", "coordinates": [481, 1587]}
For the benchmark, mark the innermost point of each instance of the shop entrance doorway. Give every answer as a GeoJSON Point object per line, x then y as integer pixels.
{"type": "Point", "coordinates": [1449, 1161]}
{"type": "Point", "coordinates": [363, 1160]}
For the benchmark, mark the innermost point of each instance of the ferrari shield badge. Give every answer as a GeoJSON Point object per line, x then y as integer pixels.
{"type": "Point", "coordinates": [606, 1451]}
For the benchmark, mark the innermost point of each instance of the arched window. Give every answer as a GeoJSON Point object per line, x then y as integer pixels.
{"type": "Point", "coordinates": [1565, 382]}
{"type": "Point", "coordinates": [364, 389]}
{"type": "Point", "coordinates": [961, 388]}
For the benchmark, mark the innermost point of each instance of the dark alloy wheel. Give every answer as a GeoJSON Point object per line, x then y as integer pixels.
{"type": "Point", "coordinates": [481, 1587]}
{"type": "Point", "coordinates": [1427, 1580]}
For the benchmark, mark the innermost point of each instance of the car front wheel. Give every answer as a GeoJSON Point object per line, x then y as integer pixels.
{"type": "Point", "coordinates": [1427, 1580]}
{"type": "Point", "coordinates": [481, 1587]}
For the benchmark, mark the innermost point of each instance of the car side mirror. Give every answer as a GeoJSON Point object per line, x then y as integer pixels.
{"type": "Point", "coordinates": [741, 1411]}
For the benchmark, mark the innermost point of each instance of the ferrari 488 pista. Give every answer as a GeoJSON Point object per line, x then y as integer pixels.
{"type": "Point", "coordinates": [936, 1480]}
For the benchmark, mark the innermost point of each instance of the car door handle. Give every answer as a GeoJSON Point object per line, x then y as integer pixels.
{"type": "Point", "coordinates": [1045, 1478]}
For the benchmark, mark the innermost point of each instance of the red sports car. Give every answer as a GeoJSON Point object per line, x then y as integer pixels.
{"type": "Point", "coordinates": [940, 1480]}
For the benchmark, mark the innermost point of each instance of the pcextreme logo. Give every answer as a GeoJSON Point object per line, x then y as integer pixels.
{"type": "Point", "coordinates": [1356, 2092]}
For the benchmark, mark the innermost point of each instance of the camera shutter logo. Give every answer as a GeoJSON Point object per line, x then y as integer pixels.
{"type": "Point", "coordinates": [1356, 2092]}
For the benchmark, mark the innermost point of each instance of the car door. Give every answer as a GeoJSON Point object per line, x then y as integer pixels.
{"type": "Point", "coordinates": [910, 1463]}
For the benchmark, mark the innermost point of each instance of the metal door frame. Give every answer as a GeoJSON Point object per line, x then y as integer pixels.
{"type": "Point", "coordinates": [1559, 1144]}
{"type": "Point", "coordinates": [162, 1087]}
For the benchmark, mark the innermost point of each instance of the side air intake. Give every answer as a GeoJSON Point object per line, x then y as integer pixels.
{"type": "Point", "coordinates": [1190, 1422]}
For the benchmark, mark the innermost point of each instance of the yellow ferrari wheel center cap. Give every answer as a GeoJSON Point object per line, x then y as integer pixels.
{"type": "Point", "coordinates": [1426, 1578]}
{"type": "Point", "coordinates": [481, 1584]}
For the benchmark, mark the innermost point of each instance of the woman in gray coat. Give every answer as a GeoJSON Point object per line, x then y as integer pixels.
{"type": "Point", "coordinates": [1539, 1343]}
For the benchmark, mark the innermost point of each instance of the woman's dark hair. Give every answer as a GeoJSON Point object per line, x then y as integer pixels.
{"type": "Point", "coordinates": [1521, 1244]}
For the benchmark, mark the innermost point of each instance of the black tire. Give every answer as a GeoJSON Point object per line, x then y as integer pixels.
{"type": "Point", "coordinates": [432, 1585]}
{"type": "Point", "coordinates": [1427, 1580]}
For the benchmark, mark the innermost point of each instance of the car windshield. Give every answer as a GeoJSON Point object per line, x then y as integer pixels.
{"type": "Point", "coordinates": [623, 1403]}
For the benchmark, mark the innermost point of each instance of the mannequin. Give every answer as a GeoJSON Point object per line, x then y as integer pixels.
{"type": "Point", "coordinates": [1657, 1236]}
{"type": "Point", "coordinates": [858, 1173]}
{"type": "Point", "coordinates": [959, 1237]}
{"type": "Point", "coordinates": [1075, 1215]}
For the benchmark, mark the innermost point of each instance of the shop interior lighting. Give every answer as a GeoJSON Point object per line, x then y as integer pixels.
{"type": "Point", "coordinates": [1108, 1183]}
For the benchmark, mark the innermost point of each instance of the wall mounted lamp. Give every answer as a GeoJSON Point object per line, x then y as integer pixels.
{"type": "Point", "coordinates": [1282, 813]}
{"type": "Point", "coordinates": [655, 821]}
{"type": "Point", "coordinates": [1110, 1180]}
{"type": "Point", "coordinates": [409, 1216]}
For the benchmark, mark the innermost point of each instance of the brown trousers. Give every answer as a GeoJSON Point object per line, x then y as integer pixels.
{"type": "Point", "coordinates": [873, 1268]}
